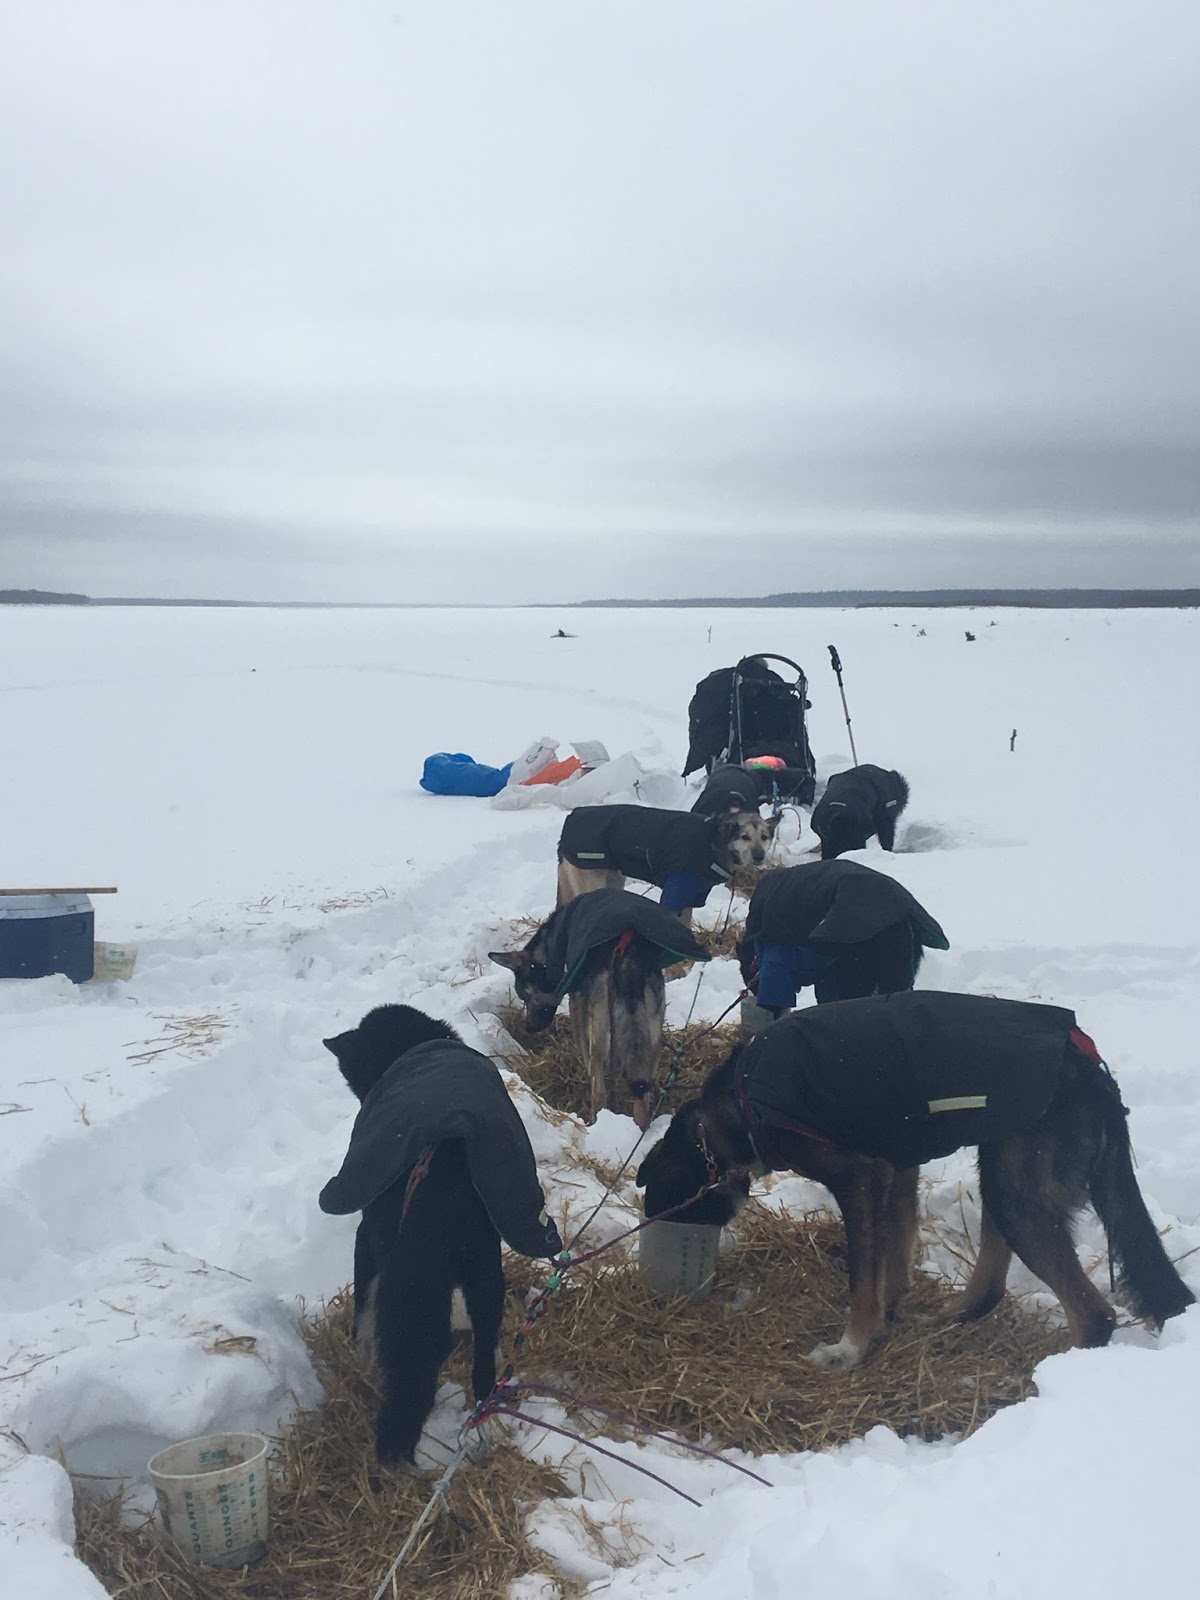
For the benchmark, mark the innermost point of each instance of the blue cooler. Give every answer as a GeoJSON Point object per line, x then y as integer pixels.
{"type": "Point", "coordinates": [45, 933]}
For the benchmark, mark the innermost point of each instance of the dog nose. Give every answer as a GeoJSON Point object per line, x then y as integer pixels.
{"type": "Point", "coordinates": [759, 857]}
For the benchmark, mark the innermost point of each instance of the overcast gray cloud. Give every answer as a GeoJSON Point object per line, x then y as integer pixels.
{"type": "Point", "coordinates": [301, 300]}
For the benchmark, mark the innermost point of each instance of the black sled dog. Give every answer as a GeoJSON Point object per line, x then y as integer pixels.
{"type": "Point", "coordinates": [606, 950]}
{"type": "Point", "coordinates": [857, 1094]}
{"type": "Point", "coordinates": [686, 855]}
{"type": "Point", "coordinates": [441, 1168]}
{"type": "Point", "coordinates": [844, 928]}
{"type": "Point", "coordinates": [856, 804]}
{"type": "Point", "coordinates": [730, 787]}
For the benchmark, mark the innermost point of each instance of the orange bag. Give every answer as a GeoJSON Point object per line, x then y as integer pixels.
{"type": "Point", "coordinates": [555, 772]}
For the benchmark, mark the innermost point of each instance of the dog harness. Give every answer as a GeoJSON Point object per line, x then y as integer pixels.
{"type": "Point", "coordinates": [760, 1132]}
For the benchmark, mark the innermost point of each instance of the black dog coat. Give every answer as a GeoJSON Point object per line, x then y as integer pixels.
{"type": "Point", "coordinates": [733, 788]}
{"type": "Point", "coordinates": [904, 1077]}
{"type": "Point", "coordinates": [643, 842]}
{"type": "Point", "coordinates": [601, 918]}
{"type": "Point", "coordinates": [443, 1090]}
{"type": "Point", "coordinates": [863, 795]}
{"type": "Point", "coordinates": [835, 903]}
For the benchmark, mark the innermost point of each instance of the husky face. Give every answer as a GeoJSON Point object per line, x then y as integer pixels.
{"type": "Point", "coordinates": [533, 983]}
{"type": "Point", "coordinates": [743, 838]}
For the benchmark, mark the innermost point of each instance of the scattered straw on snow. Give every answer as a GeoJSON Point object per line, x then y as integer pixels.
{"type": "Point", "coordinates": [731, 1372]}
{"type": "Point", "coordinates": [337, 1519]}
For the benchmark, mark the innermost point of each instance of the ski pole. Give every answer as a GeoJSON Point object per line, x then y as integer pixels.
{"type": "Point", "coordinates": [836, 662]}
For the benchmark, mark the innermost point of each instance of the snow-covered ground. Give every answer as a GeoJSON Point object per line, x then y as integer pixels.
{"type": "Point", "coordinates": [249, 780]}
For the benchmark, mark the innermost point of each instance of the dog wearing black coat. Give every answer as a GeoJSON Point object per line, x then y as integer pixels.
{"type": "Point", "coordinates": [685, 854]}
{"type": "Point", "coordinates": [730, 787]}
{"type": "Point", "coordinates": [441, 1168]}
{"type": "Point", "coordinates": [857, 804]}
{"type": "Point", "coordinates": [858, 1094]}
{"type": "Point", "coordinates": [606, 950]}
{"type": "Point", "coordinates": [843, 927]}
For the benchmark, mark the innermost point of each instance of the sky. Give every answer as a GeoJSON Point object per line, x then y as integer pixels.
{"type": "Point", "coordinates": [452, 300]}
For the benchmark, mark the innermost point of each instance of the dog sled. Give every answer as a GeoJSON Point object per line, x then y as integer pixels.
{"type": "Point", "coordinates": [749, 710]}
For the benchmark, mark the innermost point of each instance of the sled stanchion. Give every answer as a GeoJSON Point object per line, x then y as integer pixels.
{"type": "Point", "coordinates": [835, 662]}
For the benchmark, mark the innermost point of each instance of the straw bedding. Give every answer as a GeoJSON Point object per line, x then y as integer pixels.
{"type": "Point", "coordinates": [337, 1520]}
{"type": "Point", "coordinates": [729, 1372]}
{"type": "Point", "coordinates": [550, 1062]}
{"type": "Point", "coordinates": [735, 1368]}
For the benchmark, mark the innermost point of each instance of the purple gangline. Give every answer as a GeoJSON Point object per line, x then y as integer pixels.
{"type": "Point", "coordinates": [590, 1255]}
{"type": "Point", "coordinates": [637, 1427]}
{"type": "Point", "coordinates": [589, 1444]}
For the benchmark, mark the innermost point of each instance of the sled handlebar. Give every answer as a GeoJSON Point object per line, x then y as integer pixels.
{"type": "Point", "coordinates": [764, 656]}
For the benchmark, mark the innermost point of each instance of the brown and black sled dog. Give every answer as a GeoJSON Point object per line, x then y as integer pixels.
{"type": "Point", "coordinates": [858, 1093]}
{"type": "Point", "coordinates": [606, 950]}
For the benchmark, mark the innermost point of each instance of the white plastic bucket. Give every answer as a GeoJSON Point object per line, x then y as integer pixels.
{"type": "Point", "coordinates": [212, 1497]}
{"type": "Point", "coordinates": [679, 1258]}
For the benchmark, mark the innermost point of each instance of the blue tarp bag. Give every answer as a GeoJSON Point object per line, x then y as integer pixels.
{"type": "Point", "coordinates": [447, 773]}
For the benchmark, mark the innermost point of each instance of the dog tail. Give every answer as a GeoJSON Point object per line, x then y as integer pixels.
{"type": "Point", "coordinates": [1147, 1277]}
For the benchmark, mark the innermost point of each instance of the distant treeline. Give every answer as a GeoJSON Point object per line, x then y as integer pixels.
{"type": "Point", "coordinates": [40, 597]}
{"type": "Point", "coordinates": [1044, 599]}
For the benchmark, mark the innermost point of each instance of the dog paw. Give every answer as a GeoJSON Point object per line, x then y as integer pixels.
{"type": "Point", "coordinates": [837, 1357]}
{"type": "Point", "coordinates": [405, 1464]}
{"type": "Point", "coordinates": [395, 1443]}
{"type": "Point", "coordinates": [970, 1308]}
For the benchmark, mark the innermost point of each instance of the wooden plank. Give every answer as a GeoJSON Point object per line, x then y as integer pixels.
{"type": "Point", "coordinates": [58, 891]}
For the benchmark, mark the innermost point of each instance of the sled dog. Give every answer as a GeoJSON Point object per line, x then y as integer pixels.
{"type": "Point", "coordinates": [434, 1208]}
{"type": "Point", "coordinates": [842, 927]}
{"type": "Point", "coordinates": [730, 787]}
{"type": "Point", "coordinates": [686, 855]}
{"type": "Point", "coordinates": [857, 1094]}
{"type": "Point", "coordinates": [856, 804]}
{"type": "Point", "coordinates": [606, 950]}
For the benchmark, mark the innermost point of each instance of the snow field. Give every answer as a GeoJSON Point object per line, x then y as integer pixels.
{"type": "Point", "coordinates": [249, 779]}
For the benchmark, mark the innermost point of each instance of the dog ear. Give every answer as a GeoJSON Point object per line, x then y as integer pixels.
{"type": "Point", "coordinates": [646, 1170]}
{"type": "Point", "coordinates": [514, 960]}
{"type": "Point", "coordinates": [773, 823]}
